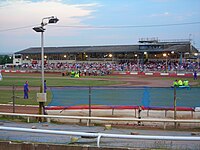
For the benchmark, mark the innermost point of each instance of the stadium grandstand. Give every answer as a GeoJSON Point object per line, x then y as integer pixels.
{"type": "Point", "coordinates": [146, 55]}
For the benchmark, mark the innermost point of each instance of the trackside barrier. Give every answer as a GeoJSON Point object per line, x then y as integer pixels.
{"type": "Point", "coordinates": [103, 135]}
{"type": "Point", "coordinates": [173, 74]}
{"type": "Point", "coordinates": [104, 118]}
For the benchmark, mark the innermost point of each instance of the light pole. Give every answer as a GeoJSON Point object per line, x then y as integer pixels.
{"type": "Point", "coordinates": [197, 55]}
{"type": "Point", "coordinates": [165, 55]}
{"type": "Point", "coordinates": [41, 29]}
{"type": "Point", "coordinates": [198, 59]}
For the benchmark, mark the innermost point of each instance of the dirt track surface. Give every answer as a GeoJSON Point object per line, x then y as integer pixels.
{"type": "Point", "coordinates": [19, 109]}
{"type": "Point", "coordinates": [145, 81]}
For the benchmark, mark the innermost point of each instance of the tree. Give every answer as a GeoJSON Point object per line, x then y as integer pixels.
{"type": "Point", "coordinates": [5, 59]}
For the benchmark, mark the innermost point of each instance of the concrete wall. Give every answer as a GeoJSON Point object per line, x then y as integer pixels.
{"type": "Point", "coordinates": [33, 146]}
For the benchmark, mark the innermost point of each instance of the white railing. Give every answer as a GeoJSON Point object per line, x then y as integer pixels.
{"type": "Point", "coordinates": [101, 135]}
{"type": "Point", "coordinates": [164, 121]}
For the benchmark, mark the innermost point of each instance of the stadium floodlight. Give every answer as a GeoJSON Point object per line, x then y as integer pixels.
{"type": "Point", "coordinates": [53, 20]}
{"type": "Point", "coordinates": [41, 29]}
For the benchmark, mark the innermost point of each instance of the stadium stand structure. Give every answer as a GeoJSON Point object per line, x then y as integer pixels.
{"type": "Point", "coordinates": [149, 57]}
{"type": "Point", "coordinates": [146, 49]}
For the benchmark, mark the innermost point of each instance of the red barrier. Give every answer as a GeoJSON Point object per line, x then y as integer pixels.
{"type": "Point", "coordinates": [173, 75]}
{"type": "Point", "coordinates": [141, 73]}
{"type": "Point", "coordinates": [117, 107]}
{"type": "Point", "coordinates": [156, 74]}
{"type": "Point", "coordinates": [188, 75]}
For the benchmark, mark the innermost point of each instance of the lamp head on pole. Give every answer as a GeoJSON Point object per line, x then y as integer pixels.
{"type": "Point", "coordinates": [53, 20]}
{"type": "Point", "coordinates": [39, 29]}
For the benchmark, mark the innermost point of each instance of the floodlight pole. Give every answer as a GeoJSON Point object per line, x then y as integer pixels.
{"type": "Point", "coordinates": [42, 59]}
{"type": "Point", "coordinates": [41, 104]}
{"type": "Point", "coordinates": [41, 29]}
{"type": "Point", "coordinates": [166, 65]}
{"type": "Point", "coordinates": [198, 61]}
{"type": "Point", "coordinates": [89, 123]}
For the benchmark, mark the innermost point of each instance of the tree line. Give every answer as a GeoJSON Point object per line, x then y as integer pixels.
{"type": "Point", "coordinates": [5, 59]}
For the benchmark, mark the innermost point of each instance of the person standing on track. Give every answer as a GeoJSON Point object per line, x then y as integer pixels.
{"type": "Point", "coordinates": [1, 78]}
{"type": "Point", "coordinates": [26, 90]}
{"type": "Point", "coordinates": [195, 75]}
{"type": "Point", "coordinates": [45, 86]}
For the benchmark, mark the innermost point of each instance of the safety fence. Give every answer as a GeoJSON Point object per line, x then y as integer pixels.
{"type": "Point", "coordinates": [112, 98]}
{"type": "Point", "coordinates": [124, 96]}
{"type": "Point", "coordinates": [177, 73]}
{"type": "Point", "coordinates": [164, 121]}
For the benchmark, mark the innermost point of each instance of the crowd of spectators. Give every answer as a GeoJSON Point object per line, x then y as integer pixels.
{"type": "Point", "coordinates": [104, 68]}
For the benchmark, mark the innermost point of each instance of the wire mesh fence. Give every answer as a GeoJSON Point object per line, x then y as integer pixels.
{"type": "Point", "coordinates": [113, 95]}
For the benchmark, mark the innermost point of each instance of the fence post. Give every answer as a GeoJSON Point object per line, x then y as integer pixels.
{"type": "Point", "coordinates": [28, 119]}
{"type": "Point", "coordinates": [113, 111]}
{"type": "Point", "coordinates": [139, 115]}
{"type": "Point", "coordinates": [175, 106]}
{"type": "Point", "coordinates": [13, 97]}
{"type": "Point", "coordinates": [89, 121]}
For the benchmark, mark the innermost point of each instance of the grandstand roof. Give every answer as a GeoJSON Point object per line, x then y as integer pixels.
{"type": "Point", "coordinates": [81, 49]}
{"type": "Point", "coordinates": [181, 47]}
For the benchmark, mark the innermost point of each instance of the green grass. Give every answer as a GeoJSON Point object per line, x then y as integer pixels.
{"type": "Point", "coordinates": [53, 80]}
{"type": "Point", "coordinates": [56, 82]}
{"type": "Point", "coordinates": [190, 79]}
{"type": "Point", "coordinates": [56, 79]}
{"type": "Point", "coordinates": [35, 81]}
{"type": "Point", "coordinates": [13, 118]}
{"type": "Point", "coordinates": [7, 97]}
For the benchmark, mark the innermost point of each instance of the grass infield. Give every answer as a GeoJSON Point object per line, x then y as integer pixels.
{"type": "Point", "coordinates": [7, 97]}
{"type": "Point", "coordinates": [34, 79]}
{"type": "Point", "coordinates": [56, 79]}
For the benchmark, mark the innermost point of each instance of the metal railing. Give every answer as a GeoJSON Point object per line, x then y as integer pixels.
{"type": "Point", "coordinates": [103, 135]}
{"type": "Point", "coordinates": [164, 121]}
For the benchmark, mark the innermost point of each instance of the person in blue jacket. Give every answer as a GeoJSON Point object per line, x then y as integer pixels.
{"type": "Point", "coordinates": [26, 90]}
{"type": "Point", "coordinates": [45, 86]}
{"type": "Point", "coordinates": [195, 75]}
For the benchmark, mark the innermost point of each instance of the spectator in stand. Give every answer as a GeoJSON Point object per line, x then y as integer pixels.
{"type": "Point", "coordinates": [96, 68]}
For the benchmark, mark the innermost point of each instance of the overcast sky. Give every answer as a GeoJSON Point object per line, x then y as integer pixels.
{"type": "Point", "coordinates": [97, 22]}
